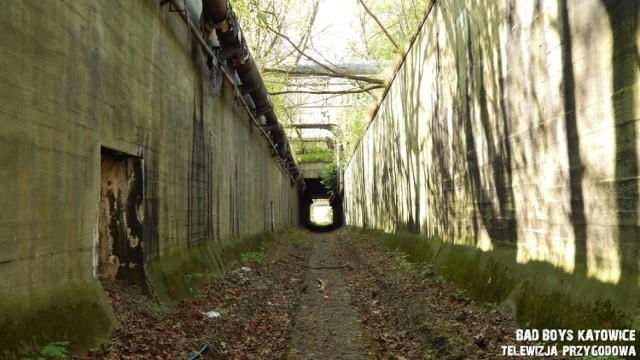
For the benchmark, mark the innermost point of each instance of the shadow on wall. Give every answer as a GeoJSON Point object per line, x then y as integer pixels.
{"type": "Point", "coordinates": [200, 180]}
{"type": "Point", "coordinates": [496, 130]}
{"type": "Point", "coordinates": [488, 148]}
{"type": "Point", "coordinates": [623, 19]}
{"type": "Point", "coordinates": [577, 212]}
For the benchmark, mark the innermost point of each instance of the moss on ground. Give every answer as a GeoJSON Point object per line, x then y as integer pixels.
{"type": "Point", "coordinates": [538, 294]}
{"type": "Point", "coordinates": [78, 314]}
{"type": "Point", "coordinates": [174, 276]}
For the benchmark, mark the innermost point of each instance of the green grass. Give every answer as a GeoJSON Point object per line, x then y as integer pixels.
{"type": "Point", "coordinates": [161, 309]}
{"type": "Point", "coordinates": [252, 256]}
{"type": "Point", "coordinates": [316, 156]}
{"type": "Point", "coordinates": [402, 259]}
{"type": "Point", "coordinates": [53, 350]}
{"type": "Point", "coordinates": [295, 236]}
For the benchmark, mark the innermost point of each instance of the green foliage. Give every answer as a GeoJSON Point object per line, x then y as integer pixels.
{"type": "Point", "coordinates": [222, 311]}
{"type": "Point", "coordinates": [315, 156]}
{"type": "Point", "coordinates": [353, 125]}
{"type": "Point", "coordinates": [311, 152]}
{"type": "Point", "coordinates": [252, 256]}
{"type": "Point", "coordinates": [53, 350]}
{"type": "Point", "coordinates": [277, 82]}
{"type": "Point", "coordinates": [161, 309]}
{"type": "Point", "coordinates": [260, 20]}
{"type": "Point", "coordinates": [329, 178]}
{"type": "Point", "coordinates": [272, 26]}
{"type": "Point", "coordinates": [401, 19]}
{"type": "Point", "coordinates": [427, 272]}
{"type": "Point", "coordinates": [257, 17]}
{"type": "Point", "coordinates": [430, 354]}
{"type": "Point", "coordinates": [204, 276]}
{"type": "Point", "coordinates": [402, 259]}
{"type": "Point", "coordinates": [295, 236]}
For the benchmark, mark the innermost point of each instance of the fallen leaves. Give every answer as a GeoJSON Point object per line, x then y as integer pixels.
{"type": "Point", "coordinates": [412, 313]}
{"type": "Point", "coordinates": [248, 312]}
{"type": "Point", "coordinates": [244, 314]}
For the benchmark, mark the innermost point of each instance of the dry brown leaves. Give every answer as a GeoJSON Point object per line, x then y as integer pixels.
{"type": "Point", "coordinates": [254, 302]}
{"type": "Point", "coordinates": [413, 314]}
{"type": "Point", "coordinates": [407, 313]}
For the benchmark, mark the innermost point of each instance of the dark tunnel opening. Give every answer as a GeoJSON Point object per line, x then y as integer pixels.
{"type": "Point", "coordinates": [317, 202]}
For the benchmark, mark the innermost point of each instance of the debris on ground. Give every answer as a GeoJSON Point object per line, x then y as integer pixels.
{"type": "Point", "coordinates": [262, 309]}
{"type": "Point", "coordinates": [322, 285]}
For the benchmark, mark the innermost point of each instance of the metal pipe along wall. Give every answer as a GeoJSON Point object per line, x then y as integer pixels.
{"type": "Point", "coordinates": [218, 15]}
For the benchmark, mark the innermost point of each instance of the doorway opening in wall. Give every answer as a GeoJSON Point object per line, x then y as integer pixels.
{"type": "Point", "coordinates": [321, 212]}
{"type": "Point", "coordinates": [120, 222]}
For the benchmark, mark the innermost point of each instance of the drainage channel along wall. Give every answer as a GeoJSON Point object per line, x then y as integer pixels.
{"type": "Point", "coordinates": [117, 164]}
{"type": "Point", "coordinates": [508, 145]}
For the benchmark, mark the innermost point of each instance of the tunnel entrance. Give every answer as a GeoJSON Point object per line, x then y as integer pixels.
{"type": "Point", "coordinates": [319, 211]}
{"type": "Point", "coordinates": [120, 228]}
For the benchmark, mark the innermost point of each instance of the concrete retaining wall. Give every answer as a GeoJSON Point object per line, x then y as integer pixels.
{"type": "Point", "coordinates": [114, 157]}
{"type": "Point", "coordinates": [511, 131]}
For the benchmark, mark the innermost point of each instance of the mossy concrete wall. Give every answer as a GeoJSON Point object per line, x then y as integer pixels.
{"type": "Point", "coordinates": [176, 275]}
{"type": "Point", "coordinates": [79, 77]}
{"type": "Point", "coordinates": [514, 125]}
{"type": "Point", "coordinates": [537, 294]}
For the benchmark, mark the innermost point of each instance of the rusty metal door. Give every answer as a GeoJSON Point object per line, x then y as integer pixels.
{"type": "Point", "coordinates": [120, 253]}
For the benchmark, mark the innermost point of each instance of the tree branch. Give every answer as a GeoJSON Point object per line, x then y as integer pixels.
{"type": "Point", "coordinates": [300, 51]}
{"type": "Point", "coordinates": [307, 35]}
{"type": "Point", "coordinates": [332, 74]}
{"type": "Point", "coordinates": [384, 29]}
{"type": "Point", "coordinates": [327, 92]}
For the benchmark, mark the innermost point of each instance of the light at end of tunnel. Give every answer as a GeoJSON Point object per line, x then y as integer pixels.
{"type": "Point", "coordinates": [321, 212]}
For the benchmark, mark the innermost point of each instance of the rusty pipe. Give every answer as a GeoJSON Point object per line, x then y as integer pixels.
{"type": "Point", "coordinates": [215, 10]}
{"type": "Point", "coordinates": [285, 161]}
{"type": "Point", "coordinates": [218, 15]}
{"type": "Point", "coordinates": [192, 27]}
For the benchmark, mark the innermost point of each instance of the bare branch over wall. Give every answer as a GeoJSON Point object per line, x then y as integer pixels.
{"type": "Point", "coordinates": [384, 29]}
{"type": "Point", "coordinates": [327, 92]}
{"type": "Point", "coordinates": [332, 74]}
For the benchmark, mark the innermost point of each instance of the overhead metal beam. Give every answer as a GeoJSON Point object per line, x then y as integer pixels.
{"type": "Point", "coordinates": [331, 143]}
{"type": "Point", "coordinates": [313, 139]}
{"type": "Point", "coordinates": [324, 126]}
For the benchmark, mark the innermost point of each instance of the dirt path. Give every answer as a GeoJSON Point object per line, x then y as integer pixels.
{"type": "Point", "coordinates": [327, 325]}
{"type": "Point", "coordinates": [375, 305]}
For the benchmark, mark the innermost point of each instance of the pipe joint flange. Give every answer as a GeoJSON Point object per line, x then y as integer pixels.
{"type": "Point", "coordinates": [264, 110]}
{"type": "Point", "coordinates": [241, 58]}
{"type": "Point", "coordinates": [229, 25]}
